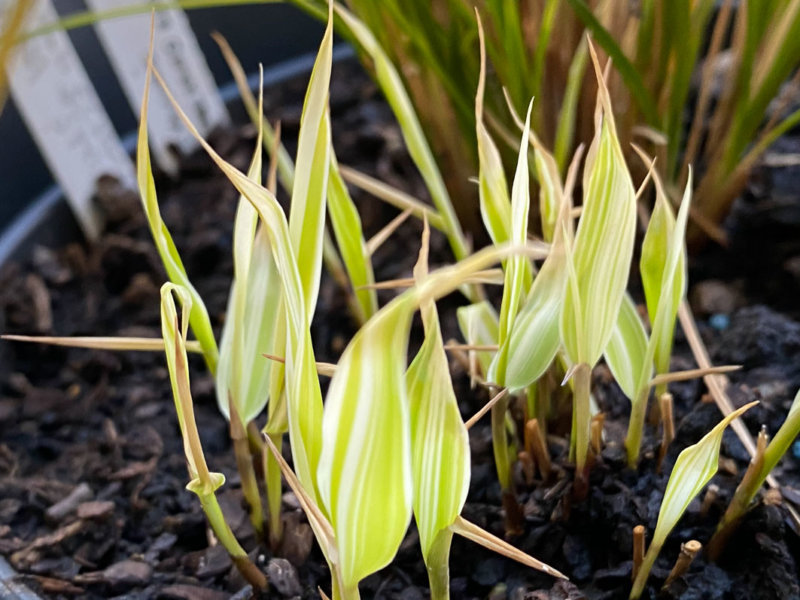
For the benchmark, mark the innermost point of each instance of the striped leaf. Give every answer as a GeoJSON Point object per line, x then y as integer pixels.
{"type": "Point", "coordinates": [603, 246]}
{"type": "Point", "coordinates": [693, 469]}
{"type": "Point", "coordinates": [346, 224]}
{"type": "Point", "coordinates": [514, 286]}
{"type": "Point", "coordinates": [550, 189]}
{"type": "Point", "coordinates": [364, 472]}
{"type": "Point", "coordinates": [249, 327]}
{"type": "Point", "coordinates": [655, 249]}
{"type": "Point", "coordinates": [256, 332]}
{"type": "Point", "coordinates": [304, 398]}
{"type": "Point", "coordinates": [173, 265]}
{"type": "Point", "coordinates": [673, 279]}
{"type": "Point", "coordinates": [663, 324]}
{"type": "Point", "coordinates": [310, 187]}
{"type": "Point", "coordinates": [493, 190]}
{"type": "Point", "coordinates": [440, 459]}
{"type": "Point", "coordinates": [535, 337]}
{"type": "Point", "coordinates": [365, 476]}
{"type": "Point", "coordinates": [626, 351]}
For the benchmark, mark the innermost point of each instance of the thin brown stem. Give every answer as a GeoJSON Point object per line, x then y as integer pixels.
{"type": "Point", "coordinates": [688, 551]}
{"type": "Point", "coordinates": [668, 426]}
{"type": "Point", "coordinates": [638, 549]}
{"type": "Point", "coordinates": [536, 448]}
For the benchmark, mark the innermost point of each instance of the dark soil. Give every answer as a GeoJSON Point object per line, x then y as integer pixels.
{"type": "Point", "coordinates": [92, 475]}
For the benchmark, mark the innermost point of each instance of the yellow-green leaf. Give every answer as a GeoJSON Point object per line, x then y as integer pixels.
{"type": "Point", "coordinates": [536, 337]}
{"type": "Point", "coordinates": [257, 331]}
{"type": "Point", "coordinates": [655, 248]}
{"type": "Point", "coordinates": [303, 393]}
{"type": "Point", "coordinates": [626, 351]}
{"type": "Point", "coordinates": [603, 246]}
{"type": "Point", "coordinates": [493, 190]}
{"type": "Point", "coordinates": [364, 474]}
{"type": "Point", "coordinates": [346, 224]}
{"type": "Point", "coordinates": [440, 460]}
{"type": "Point", "coordinates": [174, 334]}
{"type": "Point", "coordinates": [672, 276]}
{"type": "Point", "coordinates": [364, 471]}
{"type": "Point", "coordinates": [693, 469]}
{"type": "Point", "coordinates": [310, 186]}
{"type": "Point", "coordinates": [517, 267]}
{"type": "Point", "coordinates": [551, 190]}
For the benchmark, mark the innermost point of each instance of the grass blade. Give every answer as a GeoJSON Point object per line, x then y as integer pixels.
{"type": "Point", "coordinates": [394, 91]}
{"type": "Point", "coordinates": [346, 224]}
{"type": "Point", "coordinates": [626, 351]}
{"type": "Point", "coordinates": [200, 323]}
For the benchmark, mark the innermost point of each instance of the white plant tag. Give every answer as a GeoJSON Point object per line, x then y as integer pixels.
{"type": "Point", "coordinates": [63, 113]}
{"type": "Point", "coordinates": [178, 57]}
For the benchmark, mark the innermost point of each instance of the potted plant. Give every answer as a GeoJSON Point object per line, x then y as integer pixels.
{"type": "Point", "coordinates": [566, 467]}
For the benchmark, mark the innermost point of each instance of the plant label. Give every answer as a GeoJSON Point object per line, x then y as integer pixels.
{"type": "Point", "coordinates": [63, 113]}
{"type": "Point", "coordinates": [179, 59]}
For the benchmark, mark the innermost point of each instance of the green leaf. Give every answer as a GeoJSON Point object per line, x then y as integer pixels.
{"type": "Point", "coordinates": [493, 190]}
{"type": "Point", "coordinates": [535, 337]}
{"type": "Point", "coordinates": [633, 80]}
{"type": "Point", "coordinates": [626, 351]}
{"type": "Point", "coordinates": [346, 224]}
{"type": "Point", "coordinates": [603, 246]}
{"type": "Point", "coordinates": [364, 471]}
{"type": "Point", "coordinates": [309, 191]}
{"type": "Point", "coordinates": [655, 249]}
{"type": "Point", "coordinates": [256, 330]}
{"type": "Point", "coordinates": [440, 458]}
{"type": "Point", "coordinates": [199, 321]}
{"type": "Point", "coordinates": [693, 469]}
{"type": "Point", "coordinates": [517, 267]}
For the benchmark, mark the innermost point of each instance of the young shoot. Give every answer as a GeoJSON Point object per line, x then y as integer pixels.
{"type": "Point", "coordinates": [693, 469]}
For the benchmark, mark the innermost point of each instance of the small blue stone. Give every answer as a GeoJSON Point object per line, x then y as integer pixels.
{"type": "Point", "coordinates": [796, 449]}
{"type": "Point", "coordinates": [719, 321]}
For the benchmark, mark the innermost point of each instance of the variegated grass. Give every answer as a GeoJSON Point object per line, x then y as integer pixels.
{"type": "Point", "coordinates": [385, 442]}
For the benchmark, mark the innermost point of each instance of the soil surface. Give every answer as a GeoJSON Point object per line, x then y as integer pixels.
{"type": "Point", "coordinates": [92, 475]}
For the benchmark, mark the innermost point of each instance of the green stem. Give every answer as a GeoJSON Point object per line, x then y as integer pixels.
{"type": "Point", "coordinates": [272, 480]}
{"type": "Point", "coordinates": [341, 591]}
{"type": "Point", "coordinates": [438, 564]}
{"type": "Point", "coordinates": [223, 532]}
{"type": "Point", "coordinates": [752, 482]}
{"type": "Point", "coordinates": [633, 441]}
{"type": "Point", "coordinates": [247, 473]}
{"type": "Point", "coordinates": [644, 570]}
{"type": "Point", "coordinates": [500, 443]}
{"type": "Point", "coordinates": [583, 416]}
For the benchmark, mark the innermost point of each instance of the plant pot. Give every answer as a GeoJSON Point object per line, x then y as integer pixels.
{"type": "Point", "coordinates": [121, 400]}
